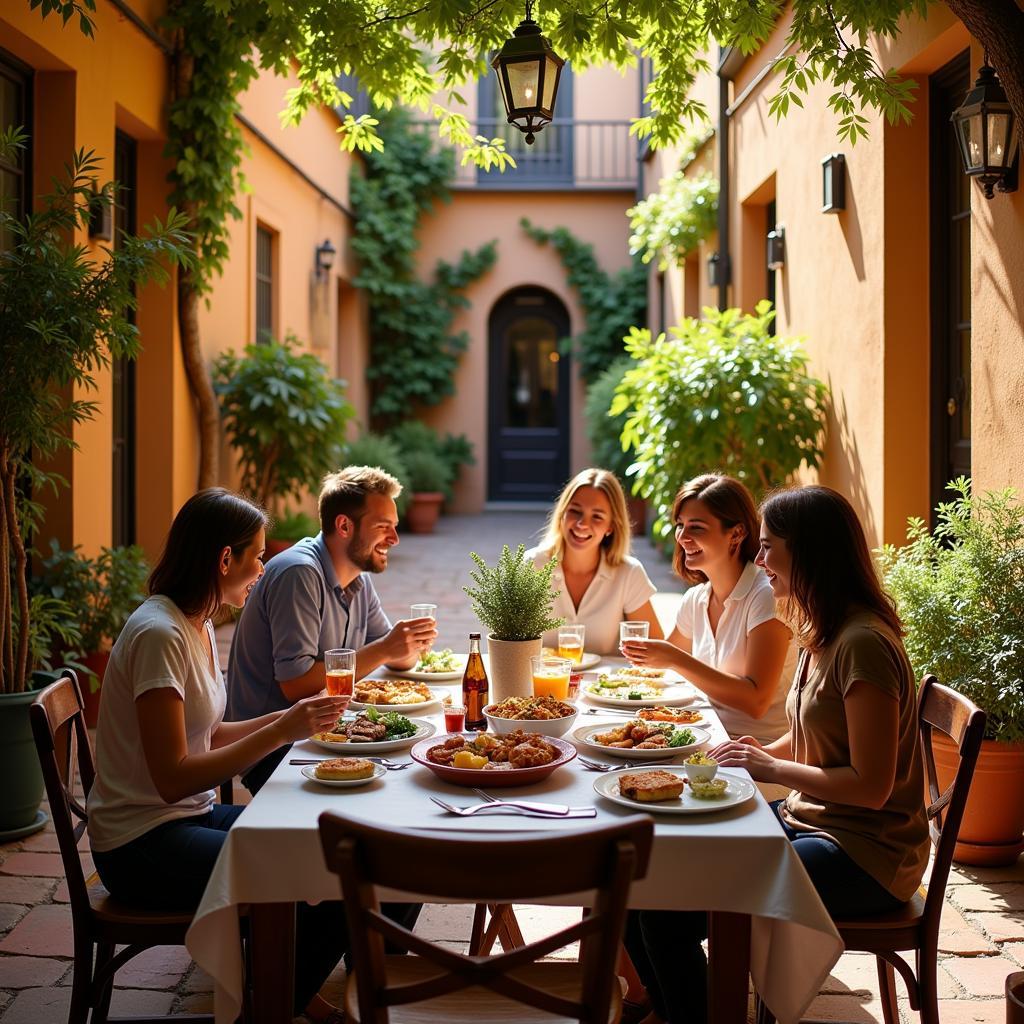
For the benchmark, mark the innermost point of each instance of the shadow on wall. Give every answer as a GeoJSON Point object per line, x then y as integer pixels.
{"type": "Point", "coordinates": [844, 469]}
{"type": "Point", "coordinates": [849, 224]}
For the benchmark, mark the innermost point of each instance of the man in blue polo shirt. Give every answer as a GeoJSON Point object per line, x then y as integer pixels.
{"type": "Point", "coordinates": [319, 595]}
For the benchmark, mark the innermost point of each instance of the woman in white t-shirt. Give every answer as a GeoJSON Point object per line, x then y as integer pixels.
{"type": "Point", "coordinates": [162, 744]}
{"type": "Point", "coordinates": [728, 639]}
{"type": "Point", "coordinates": [600, 584]}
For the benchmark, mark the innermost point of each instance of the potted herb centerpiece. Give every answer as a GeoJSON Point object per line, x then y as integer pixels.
{"type": "Point", "coordinates": [513, 600]}
{"type": "Point", "coordinates": [960, 592]}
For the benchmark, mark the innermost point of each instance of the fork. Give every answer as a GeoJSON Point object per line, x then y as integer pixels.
{"type": "Point", "coordinates": [600, 766]}
{"type": "Point", "coordinates": [391, 766]}
{"type": "Point", "coordinates": [525, 804]}
{"type": "Point", "coordinates": [469, 812]}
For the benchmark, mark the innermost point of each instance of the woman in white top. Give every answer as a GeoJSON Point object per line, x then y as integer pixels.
{"type": "Point", "coordinates": [600, 583]}
{"type": "Point", "coordinates": [162, 743]}
{"type": "Point", "coordinates": [728, 639]}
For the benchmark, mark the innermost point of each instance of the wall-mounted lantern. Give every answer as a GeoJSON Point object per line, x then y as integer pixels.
{"type": "Point", "coordinates": [986, 131]}
{"type": "Point", "coordinates": [528, 70]}
{"type": "Point", "coordinates": [833, 183]}
{"type": "Point", "coordinates": [775, 249]}
{"type": "Point", "coordinates": [714, 270]}
{"type": "Point", "coordinates": [325, 254]}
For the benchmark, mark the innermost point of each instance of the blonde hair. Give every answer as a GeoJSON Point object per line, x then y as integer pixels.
{"type": "Point", "coordinates": [344, 493]}
{"type": "Point", "coordinates": [616, 545]}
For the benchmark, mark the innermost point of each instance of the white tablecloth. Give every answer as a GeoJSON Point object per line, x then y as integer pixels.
{"type": "Point", "coordinates": [733, 860]}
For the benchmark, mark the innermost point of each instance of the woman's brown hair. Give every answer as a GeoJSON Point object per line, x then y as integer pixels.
{"type": "Point", "coordinates": [731, 504]}
{"type": "Point", "coordinates": [832, 573]}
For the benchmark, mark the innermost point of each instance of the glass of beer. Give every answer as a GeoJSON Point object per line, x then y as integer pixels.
{"type": "Point", "coordinates": [570, 643]}
{"type": "Point", "coordinates": [340, 665]}
{"type": "Point", "coordinates": [551, 677]}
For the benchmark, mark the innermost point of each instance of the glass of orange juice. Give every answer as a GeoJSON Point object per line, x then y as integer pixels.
{"type": "Point", "coordinates": [570, 643]}
{"type": "Point", "coordinates": [551, 677]}
{"type": "Point", "coordinates": [340, 665]}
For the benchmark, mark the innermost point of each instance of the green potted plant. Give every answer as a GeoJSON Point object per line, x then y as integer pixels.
{"type": "Point", "coordinates": [286, 418]}
{"type": "Point", "coordinates": [288, 528]}
{"type": "Point", "coordinates": [100, 593]}
{"type": "Point", "coordinates": [960, 592]}
{"type": "Point", "coordinates": [454, 450]}
{"type": "Point", "coordinates": [62, 317]}
{"type": "Point", "coordinates": [513, 600]}
{"type": "Point", "coordinates": [428, 478]}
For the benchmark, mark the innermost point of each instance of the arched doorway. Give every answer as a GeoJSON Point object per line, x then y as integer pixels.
{"type": "Point", "coordinates": [528, 397]}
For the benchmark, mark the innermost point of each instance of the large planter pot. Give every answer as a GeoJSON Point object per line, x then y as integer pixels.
{"type": "Point", "coordinates": [509, 665]}
{"type": "Point", "coordinates": [275, 546]}
{"type": "Point", "coordinates": [423, 511]}
{"type": "Point", "coordinates": [637, 508]}
{"type": "Point", "coordinates": [22, 789]}
{"type": "Point", "coordinates": [1015, 998]}
{"type": "Point", "coordinates": [992, 831]}
{"type": "Point", "coordinates": [96, 663]}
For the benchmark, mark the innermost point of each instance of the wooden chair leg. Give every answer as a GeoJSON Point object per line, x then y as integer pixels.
{"type": "Point", "coordinates": [762, 1015]}
{"type": "Point", "coordinates": [509, 932]}
{"type": "Point", "coordinates": [927, 984]}
{"type": "Point", "coordinates": [887, 990]}
{"type": "Point", "coordinates": [502, 927]}
{"type": "Point", "coordinates": [104, 953]}
{"type": "Point", "coordinates": [476, 935]}
{"type": "Point", "coordinates": [81, 982]}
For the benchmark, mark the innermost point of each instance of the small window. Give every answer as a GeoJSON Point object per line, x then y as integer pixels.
{"type": "Point", "coordinates": [14, 113]}
{"type": "Point", "coordinates": [264, 284]}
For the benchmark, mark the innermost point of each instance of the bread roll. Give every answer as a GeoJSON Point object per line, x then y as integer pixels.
{"type": "Point", "coordinates": [649, 787]}
{"type": "Point", "coordinates": [344, 768]}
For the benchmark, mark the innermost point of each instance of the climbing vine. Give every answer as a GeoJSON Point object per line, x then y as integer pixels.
{"type": "Point", "coordinates": [413, 352]}
{"type": "Point", "coordinates": [613, 304]}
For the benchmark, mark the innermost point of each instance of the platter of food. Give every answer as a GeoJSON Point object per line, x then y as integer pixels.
{"type": "Point", "coordinates": [443, 666]}
{"type": "Point", "coordinates": [374, 731]}
{"type": "Point", "coordinates": [480, 759]}
{"type": "Point", "coordinates": [343, 772]}
{"type": "Point", "coordinates": [668, 791]}
{"type": "Point", "coordinates": [639, 740]}
{"type": "Point", "coordinates": [402, 695]}
{"type": "Point", "coordinates": [546, 715]}
{"type": "Point", "coordinates": [632, 687]}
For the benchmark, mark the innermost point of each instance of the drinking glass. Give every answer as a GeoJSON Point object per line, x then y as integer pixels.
{"type": "Point", "coordinates": [454, 718]}
{"type": "Point", "coordinates": [570, 643]}
{"type": "Point", "coordinates": [551, 677]}
{"type": "Point", "coordinates": [340, 665]}
{"type": "Point", "coordinates": [424, 611]}
{"type": "Point", "coordinates": [633, 631]}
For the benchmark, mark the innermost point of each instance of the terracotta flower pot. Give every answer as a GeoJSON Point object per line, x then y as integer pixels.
{"type": "Point", "coordinates": [637, 508]}
{"type": "Point", "coordinates": [275, 546]}
{"type": "Point", "coordinates": [424, 509]}
{"type": "Point", "coordinates": [97, 663]}
{"type": "Point", "coordinates": [992, 831]}
{"type": "Point", "coordinates": [508, 663]}
{"type": "Point", "coordinates": [1015, 998]}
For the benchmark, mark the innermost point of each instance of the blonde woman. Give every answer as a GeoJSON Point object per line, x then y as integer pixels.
{"type": "Point", "coordinates": [601, 584]}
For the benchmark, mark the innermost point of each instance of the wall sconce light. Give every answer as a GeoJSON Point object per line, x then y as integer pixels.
{"type": "Point", "coordinates": [325, 254]}
{"type": "Point", "coordinates": [833, 183]}
{"type": "Point", "coordinates": [986, 130]}
{"type": "Point", "coordinates": [776, 248]}
{"type": "Point", "coordinates": [528, 70]}
{"type": "Point", "coordinates": [714, 270]}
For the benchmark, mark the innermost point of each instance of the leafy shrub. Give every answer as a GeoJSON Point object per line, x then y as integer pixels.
{"type": "Point", "coordinates": [603, 429]}
{"type": "Point", "coordinates": [377, 450]}
{"type": "Point", "coordinates": [284, 416]}
{"type": "Point", "coordinates": [960, 592]}
{"type": "Point", "coordinates": [673, 221]}
{"type": "Point", "coordinates": [294, 526]}
{"type": "Point", "coordinates": [513, 598]}
{"type": "Point", "coordinates": [721, 394]}
{"type": "Point", "coordinates": [455, 450]}
{"type": "Point", "coordinates": [427, 472]}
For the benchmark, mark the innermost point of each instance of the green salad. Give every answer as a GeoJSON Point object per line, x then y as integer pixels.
{"type": "Point", "coordinates": [398, 726]}
{"type": "Point", "coordinates": [439, 661]}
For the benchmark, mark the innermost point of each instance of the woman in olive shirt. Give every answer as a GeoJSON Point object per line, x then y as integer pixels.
{"type": "Point", "coordinates": [851, 756]}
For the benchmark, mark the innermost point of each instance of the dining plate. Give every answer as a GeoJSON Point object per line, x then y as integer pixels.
{"type": "Point", "coordinates": [739, 791]}
{"type": "Point", "coordinates": [674, 695]}
{"type": "Point", "coordinates": [589, 660]}
{"type": "Point", "coordinates": [423, 730]}
{"type": "Point", "coordinates": [402, 709]}
{"type": "Point", "coordinates": [586, 734]}
{"type": "Point", "coordinates": [484, 777]}
{"type": "Point", "coordinates": [434, 677]}
{"type": "Point", "coordinates": [309, 770]}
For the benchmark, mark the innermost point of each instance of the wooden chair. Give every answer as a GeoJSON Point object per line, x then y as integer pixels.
{"type": "Point", "coordinates": [451, 987]}
{"type": "Point", "coordinates": [915, 925]}
{"type": "Point", "coordinates": [99, 922]}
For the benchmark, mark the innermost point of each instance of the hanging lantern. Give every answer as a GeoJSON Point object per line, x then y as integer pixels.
{"type": "Point", "coordinates": [528, 70]}
{"type": "Point", "coordinates": [986, 130]}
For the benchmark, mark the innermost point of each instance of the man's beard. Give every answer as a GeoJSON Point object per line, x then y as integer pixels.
{"type": "Point", "coordinates": [363, 557]}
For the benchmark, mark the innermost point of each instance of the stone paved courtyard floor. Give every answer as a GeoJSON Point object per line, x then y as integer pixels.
{"type": "Point", "coordinates": [982, 936]}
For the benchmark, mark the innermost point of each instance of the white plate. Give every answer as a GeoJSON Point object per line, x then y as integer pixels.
{"type": "Point", "coordinates": [589, 660]}
{"type": "Point", "coordinates": [402, 709]}
{"type": "Point", "coordinates": [309, 770]}
{"type": "Point", "coordinates": [434, 677]}
{"type": "Point", "coordinates": [675, 695]}
{"type": "Point", "coordinates": [423, 730]}
{"type": "Point", "coordinates": [584, 735]}
{"type": "Point", "coordinates": [739, 791]}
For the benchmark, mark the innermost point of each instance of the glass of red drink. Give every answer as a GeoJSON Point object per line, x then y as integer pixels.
{"type": "Point", "coordinates": [454, 718]}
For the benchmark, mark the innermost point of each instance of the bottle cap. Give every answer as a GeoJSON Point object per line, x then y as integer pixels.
{"type": "Point", "coordinates": [474, 636]}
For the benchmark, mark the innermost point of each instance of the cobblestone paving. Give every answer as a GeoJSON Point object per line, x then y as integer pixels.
{"type": "Point", "coordinates": [982, 936]}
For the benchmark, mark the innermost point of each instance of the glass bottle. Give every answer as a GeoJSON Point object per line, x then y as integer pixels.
{"type": "Point", "coordinates": [474, 687]}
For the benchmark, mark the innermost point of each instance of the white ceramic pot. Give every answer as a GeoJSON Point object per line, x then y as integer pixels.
{"type": "Point", "coordinates": [509, 667]}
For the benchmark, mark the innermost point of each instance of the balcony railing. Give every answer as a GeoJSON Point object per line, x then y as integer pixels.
{"type": "Point", "coordinates": [567, 154]}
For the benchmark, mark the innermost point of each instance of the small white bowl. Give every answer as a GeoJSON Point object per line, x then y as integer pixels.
{"type": "Point", "coordinates": [544, 726]}
{"type": "Point", "coordinates": [700, 772]}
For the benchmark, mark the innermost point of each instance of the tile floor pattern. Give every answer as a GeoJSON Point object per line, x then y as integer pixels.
{"type": "Point", "coordinates": [982, 937]}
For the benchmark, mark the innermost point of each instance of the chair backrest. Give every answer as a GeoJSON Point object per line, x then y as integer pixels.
{"type": "Point", "coordinates": [940, 708]}
{"type": "Point", "coordinates": [62, 742]}
{"type": "Point", "coordinates": [519, 868]}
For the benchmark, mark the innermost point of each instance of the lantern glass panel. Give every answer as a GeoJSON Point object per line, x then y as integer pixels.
{"type": "Point", "coordinates": [826, 184]}
{"type": "Point", "coordinates": [998, 149]}
{"type": "Point", "coordinates": [550, 81]}
{"type": "Point", "coordinates": [970, 131]}
{"type": "Point", "coordinates": [522, 79]}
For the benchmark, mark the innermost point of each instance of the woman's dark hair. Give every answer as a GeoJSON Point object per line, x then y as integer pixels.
{"type": "Point", "coordinates": [731, 504]}
{"type": "Point", "coordinates": [209, 522]}
{"type": "Point", "coordinates": [832, 574]}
